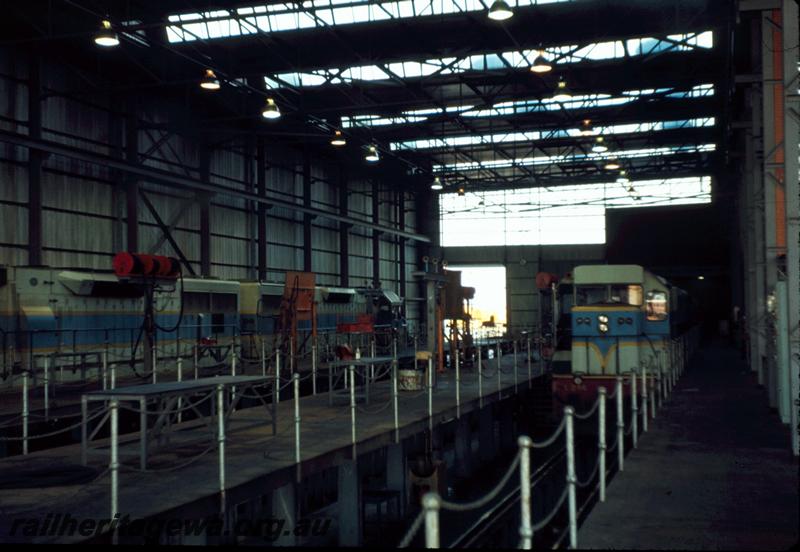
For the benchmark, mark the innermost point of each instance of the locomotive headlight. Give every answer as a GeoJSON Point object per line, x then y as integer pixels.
{"type": "Point", "coordinates": [603, 328]}
{"type": "Point", "coordinates": [603, 319]}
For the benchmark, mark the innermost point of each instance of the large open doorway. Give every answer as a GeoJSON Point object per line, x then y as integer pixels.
{"type": "Point", "coordinates": [489, 306]}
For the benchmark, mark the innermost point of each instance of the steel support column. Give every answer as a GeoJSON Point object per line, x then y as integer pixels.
{"type": "Point", "coordinates": [344, 232]}
{"type": "Point", "coordinates": [307, 218]}
{"type": "Point", "coordinates": [401, 244]}
{"type": "Point", "coordinates": [376, 235]}
{"type": "Point", "coordinates": [789, 52]}
{"type": "Point", "coordinates": [205, 214]}
{"type": "Point", "coordinates": [774, 181]}
{"type": "Point", "coordinates": [132, 188]}
{"type": "Point", "coordinates": [35, 158]}
{"type": "Point", "coordinates": [261, 178]}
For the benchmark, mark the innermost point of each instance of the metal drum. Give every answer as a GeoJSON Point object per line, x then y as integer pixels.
{"type": "Point", "coordinates": [410, 380]}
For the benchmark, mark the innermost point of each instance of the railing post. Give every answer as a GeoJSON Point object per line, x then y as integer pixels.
{"type": "Point", "coordinates": [601, 441]}
{"type": "Point", "coordinates": [395, 401]}
{"type": "Point", "coordinates": [196, 366]}
{"type": "Point", "coordinates": [276, 386]}
{"type": "Point", "coordinates": [25, 411]}
{"type": "Point", "coordinates": [515, 365]}
{"type": "Point", "coordinates": [620, 425]}
{"type": "Point", "coordinates": [430, 394]}
{"type": "Point", "coordinates": [458, 383]}
{"type": "Point", "coordinates": [113, 465]}
{"type": "Point", "coordinates": [499, 372]}
{"type": "Point", "coordinates": [653, 397]}
{"type": "Point", "coordinates": [525, 526]}
{"type": "Point", "coordinates": [571, 479]}
{"type": "Point", "coordinates": [221, 444]}
{"type": "Point", "coordinates": [47, 387]}
{"type": "Point", "coordinates": [644, 398]}
{"type": "Point", "coordinates": [105, 368]}
{"type": "Point", "coordinates": [296, 378]}
{"type": "Point", "coordinates": [352, 371]}
{"type": "Point", "coordinates": [233, 373]}
{"type": "Point", "coordinates": [480, 378]}
{"type": "Point", "coordinates": [634, 410]}
{"type": "Point", "coordinates": [180, 399]}
{"type": "Point", "coordinates": [263, 360]}
{"type": "Point", "coordinates": [84, 429]}
{"type": "Point", "coordinates": [314, 366]}
{"type": "Point", "coordinates": [155, 363]}
{"type": "Point", "coordinates": [530, 373]}
{"type": "Point", "coordinates": [431, 503]}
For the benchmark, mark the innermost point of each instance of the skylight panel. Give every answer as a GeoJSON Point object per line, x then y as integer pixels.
{"type": "Point", "coordinates": [571, 158]}
{"type": "Point", "coordinates": [288, 16]}
{"type": "Point", "coordinates": [479, 62]}
{"type": "Point", "coordinates": [528, 136]}
{"type": "Point", "coordinates": [517, 107]}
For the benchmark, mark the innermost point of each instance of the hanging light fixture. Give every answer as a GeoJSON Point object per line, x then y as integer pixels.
{"type": "Point", "coordinates": [338, 139]}
{"type": "Point", "coordinates": [461, 191]}
{"type": "Point", "coordinates": [623, 177]}
{"type": "Point", "coordinates": [562, 92]}
{"type": "Point", "coordinates": [586, 128]}
{"type": "Point", "coordinates": [209, 81]}
{"type": "Point", "coordinates": [541, 64]}
{"type": "Point", "coordinates": [106, 36]}
{"type": "Point", "coordinates": [271, 110]}
{"type": "Point", "coordinates": [599, 145]}
{"type": "Point", "coordinates": [612, 165]}
{"type": "Point", "coordinates": [437, 184]}
{"type": "Point", "coordinates": [500, 11]}
{"type": "Point", "coordinates": [371, 153]}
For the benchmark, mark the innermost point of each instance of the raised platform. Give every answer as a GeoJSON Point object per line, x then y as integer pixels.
{"type": "Point", "coordinates": [255, 459]}
{"type": "Point", "coordinates": [715, 471]}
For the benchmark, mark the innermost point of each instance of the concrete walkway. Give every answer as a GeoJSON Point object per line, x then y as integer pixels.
{"type": "Point", "coordinates": [715, 471]}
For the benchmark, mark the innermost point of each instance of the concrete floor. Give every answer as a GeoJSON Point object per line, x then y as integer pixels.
{"type": "Point", "coordinates": [715, 471]}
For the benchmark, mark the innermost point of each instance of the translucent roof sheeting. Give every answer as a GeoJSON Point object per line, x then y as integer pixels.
{"type": "Point", "coordinates": [519, 107]}
{"type": "Point", "coordinates": [289, 16]}
{"type": "Point", "coordinates": [561, 215]}
{"type": "Point", "coordinates": [529, 136]}
{"type": "Point", "coordinates": [572, 53]}
{"type": "Point", "coordinates": [570, 158]}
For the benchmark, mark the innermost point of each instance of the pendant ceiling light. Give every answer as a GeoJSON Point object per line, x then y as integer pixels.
{"type": "Point", "coordinates": [271, 110]}
{"type": "Point", "coordinates": [338, 139]}
{"type": "Point", "coordinates": [500, 11]}
{"type": "Point", "coordinates": [209, 81]}
{"type": "Point", "coordinates": [106, 36]}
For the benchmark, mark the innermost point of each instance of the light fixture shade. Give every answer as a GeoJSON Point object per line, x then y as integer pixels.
{"type": "Point", "coordinates": [541, 64]}
{"type": "Point", "coordinates": [500, 11]}
{"type": "Point", "coordinates": [271, 110]}
{"type": "Point", "coordinates": [437, 184]}
{"type": "Point", "coordinates": [599, 145]}
{"type": "Point", "coordinates": [209, 81]}
{"type": "Point", "coordinates": [372, 154]}
{"type": "Point", "coordinates": [586, 128]}
{"type": "Point", "coordinates": [106, 36]}
{"type": "Point", "coordinates": [338, 139]}
{"type": "Point", "coordinates": [612, 165]}
{"type": "Point", "coordinates": [562, 92]}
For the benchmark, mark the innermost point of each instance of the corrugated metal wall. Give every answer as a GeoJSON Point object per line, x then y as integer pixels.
{"type": "Point", "coordinates": [84, 204]}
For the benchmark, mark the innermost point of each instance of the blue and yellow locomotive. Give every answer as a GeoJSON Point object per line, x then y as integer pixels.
{"type": "Point", "coordinates": [623, 318]}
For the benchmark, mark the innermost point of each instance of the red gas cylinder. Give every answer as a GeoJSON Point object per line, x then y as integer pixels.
{"type": "Point", "coordinates": [545, 279]}
{"type": "Point", "coordinates": [128, 265]}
